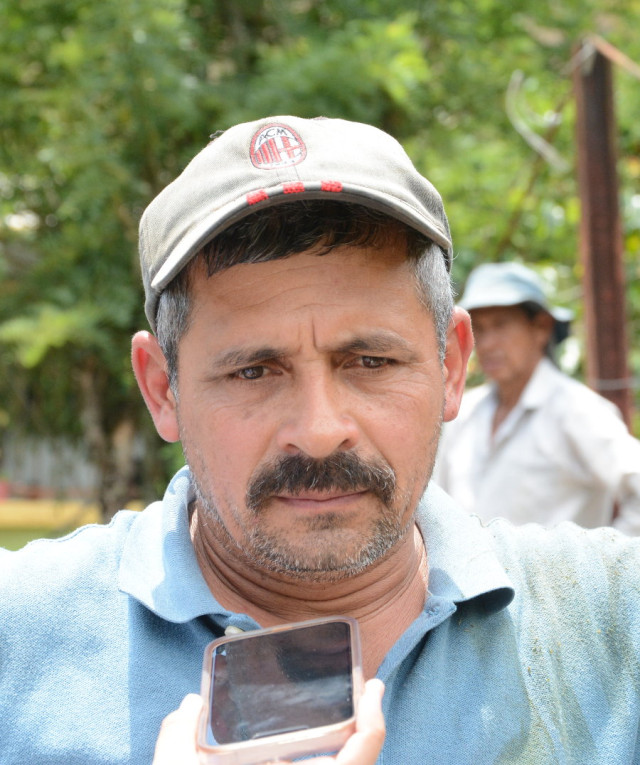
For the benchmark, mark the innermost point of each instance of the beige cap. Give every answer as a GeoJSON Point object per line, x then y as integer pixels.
{"type": "Point", "coordinates": [277, 160]}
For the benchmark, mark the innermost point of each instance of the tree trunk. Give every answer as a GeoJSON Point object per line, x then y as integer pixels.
{"type": "Point", "coordinates": [111, 453]}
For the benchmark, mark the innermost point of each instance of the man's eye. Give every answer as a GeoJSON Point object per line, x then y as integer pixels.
{"type": "Point", "coordinates": [374, 362]}
{"type": "Point", "coordinates": [250, 373]}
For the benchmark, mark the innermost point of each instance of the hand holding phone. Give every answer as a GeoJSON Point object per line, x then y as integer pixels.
{"type": "Point", "coordinates": [282, 692]}
{"type": "Point", "coordinates": [177, 740]}
{"type": "Point", "coordinates": [278, 694]}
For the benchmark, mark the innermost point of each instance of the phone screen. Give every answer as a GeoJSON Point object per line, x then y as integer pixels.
{"type": "Point", "coordinates": [280, 682]}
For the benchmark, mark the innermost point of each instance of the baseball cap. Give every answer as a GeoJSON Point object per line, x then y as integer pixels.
{"type": "Point", "coordinates": [509, 284]}
{"type": "Point", "coordinates": [276, 160]}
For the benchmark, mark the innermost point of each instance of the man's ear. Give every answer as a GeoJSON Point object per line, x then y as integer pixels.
{"type": "Point", "coordinates": [459, 347]}
{"type": "Point", "coordinates": [150, 369]}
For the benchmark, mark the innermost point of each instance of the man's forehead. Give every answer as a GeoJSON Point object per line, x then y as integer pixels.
{"type": "Point", "coordinates": [386, 259]}
{"type": "Point", "coordinates": [350, 301]}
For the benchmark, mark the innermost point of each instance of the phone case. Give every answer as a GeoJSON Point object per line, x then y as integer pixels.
{"type": "Point", "coordinates": [288, 745]}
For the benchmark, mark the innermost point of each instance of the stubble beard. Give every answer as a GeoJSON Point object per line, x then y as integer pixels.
{"type": "Point", "coordinates": [336, 551]}
{"type": "Point", "coordinates": [325, 558]}
{"type": "Point", "coordinates": [330, 558]}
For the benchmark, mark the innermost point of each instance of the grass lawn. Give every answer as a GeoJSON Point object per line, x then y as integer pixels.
{"type": "Point", "coordinates": [14, 539]}
{"type": "Point", "coordinates": [22, 520]}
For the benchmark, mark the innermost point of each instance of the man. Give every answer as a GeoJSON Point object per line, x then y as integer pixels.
{"type": "Point", "coordinates": [305, 352]}
{"type": "Point", "coordinates": [533, 444]}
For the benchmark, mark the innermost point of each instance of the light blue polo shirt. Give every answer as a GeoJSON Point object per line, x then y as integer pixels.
{"type": "Point", "coordinates": [527, 651]}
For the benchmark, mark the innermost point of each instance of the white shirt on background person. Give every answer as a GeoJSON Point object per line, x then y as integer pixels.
{"type": "Point", "coordinates": [562, 454]}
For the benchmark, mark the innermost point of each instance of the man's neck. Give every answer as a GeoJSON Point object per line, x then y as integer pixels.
{"type": "Point", "coordinates": [509, 394]}
{"type": "Point", "coordinates": [385, 598]}
{"type": "Point", "coordinates": [508, 397]}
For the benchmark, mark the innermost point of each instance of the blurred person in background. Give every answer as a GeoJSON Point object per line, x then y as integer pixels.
{"type": "Point", "coordinates": [533, 444]}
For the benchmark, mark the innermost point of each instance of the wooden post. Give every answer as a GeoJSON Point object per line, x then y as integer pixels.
{"type": "Point", "coordinates": [601, 239]}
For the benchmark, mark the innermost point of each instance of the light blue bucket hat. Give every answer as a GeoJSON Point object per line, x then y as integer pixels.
{"type": "Point", "coordinates": [509, 284]}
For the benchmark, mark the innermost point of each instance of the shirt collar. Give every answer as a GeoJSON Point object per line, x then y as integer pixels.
{"type": "Point", "coordinates": [159, 566]}
{"type": "Point", "coordinates": [462, 562]}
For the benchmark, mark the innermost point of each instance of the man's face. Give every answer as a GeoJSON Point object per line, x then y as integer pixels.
{"type": "Point", "coordinates": [509, 344]}
{"type": "Point", "coordinates": [310, 398]}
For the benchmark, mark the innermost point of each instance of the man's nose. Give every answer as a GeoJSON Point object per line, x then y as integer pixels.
{"type": "Point", "coordinates": [317, 421]}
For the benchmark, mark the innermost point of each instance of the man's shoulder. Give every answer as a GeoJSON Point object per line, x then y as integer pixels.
{"type": "Point", "coordinates": [567, 394]}
{"type": "Point", "coordinates": [69, 632]}
{"type": "Point", "coordinates": [567, 573]}
{"type": "Point", "coordinates": [46, 569]}
{"type": "Point", "coordinates": [565, 539]}
{"type": "Point", "coordinates": [567, 565]}
{"type": "Point", "coordinates": [80, 541]}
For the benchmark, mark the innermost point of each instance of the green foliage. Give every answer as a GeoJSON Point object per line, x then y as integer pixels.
{"type": "Point", "coordinates": [366, 70]}
{"type": "Point", "coordinates": [49, 327]}
{"type": "Point", "coordinates": [104, 102]}
{"type": "Point", "coordinates": [15, 539]}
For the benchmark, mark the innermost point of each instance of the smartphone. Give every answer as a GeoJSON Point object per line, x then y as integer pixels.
{"type": "Point", "coordinates": [280, 693]}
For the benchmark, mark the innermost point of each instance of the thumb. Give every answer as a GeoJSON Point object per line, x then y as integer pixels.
{"type": "Point", "coordinates": [177, 739]}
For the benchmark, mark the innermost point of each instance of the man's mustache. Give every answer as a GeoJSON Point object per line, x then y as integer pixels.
{"type": "Point", "coordinates": [341, 471]}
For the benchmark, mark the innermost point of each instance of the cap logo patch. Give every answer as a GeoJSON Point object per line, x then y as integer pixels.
{"type": "Point", "coordinates": [276, 146]}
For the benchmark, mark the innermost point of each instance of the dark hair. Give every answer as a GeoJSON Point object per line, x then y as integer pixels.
{"type": "Point", "coordinates": [290, 228]}
{"type": "Point", "coordinates": [532, 309]}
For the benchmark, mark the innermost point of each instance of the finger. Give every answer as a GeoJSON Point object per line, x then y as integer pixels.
{"type": "Point", "coordinates": [177, 738]}
{"type": "Point", "coordinates": [364, 746]}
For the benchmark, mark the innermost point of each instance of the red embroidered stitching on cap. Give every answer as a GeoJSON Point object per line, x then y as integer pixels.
{"type": "Point", "coordinates": [257, 196]}
{"type": "Point", "coordinates": [276, 146]}
{"type": "Point", "coordinates": [292, 188]}
{"type": "Point", "coordinates": [331, 186]}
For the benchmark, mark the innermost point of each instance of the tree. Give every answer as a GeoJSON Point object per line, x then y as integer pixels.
{"type": "Point", "coordinates": [92, 92]}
